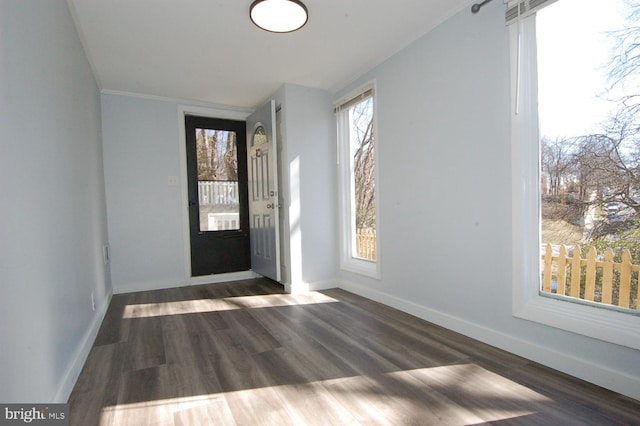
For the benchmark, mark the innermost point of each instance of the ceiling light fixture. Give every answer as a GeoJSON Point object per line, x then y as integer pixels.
{"type": "Point", "coordinates": [278, 16]}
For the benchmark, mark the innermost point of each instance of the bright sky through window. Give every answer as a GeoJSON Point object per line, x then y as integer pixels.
{"type": "Point", "coordinates": [573, 58]}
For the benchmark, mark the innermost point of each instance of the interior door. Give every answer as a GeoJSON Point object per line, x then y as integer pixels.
{"type": "Point", "coordinates": [263, 192]}
{"type": "Point", "coordinates": [218, 195]}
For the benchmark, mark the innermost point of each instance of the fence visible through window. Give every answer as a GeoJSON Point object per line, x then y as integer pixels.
{"type": "Point", "coordinates": [595, 278]}
{"type": "Point", "coordinates": [366, 244]}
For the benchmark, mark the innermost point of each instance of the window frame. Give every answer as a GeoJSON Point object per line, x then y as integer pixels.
{"type": "Point", "coordinates": [621, 328]}
{"type": "Point", "coordinates": [346, 189]}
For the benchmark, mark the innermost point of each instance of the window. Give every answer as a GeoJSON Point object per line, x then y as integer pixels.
{"type": "Point", "coordinates": [357, 159]}
{"type": "Point", "coordinates": [567, 120]}
{"type": "Point", "coordinates": [218, 195]}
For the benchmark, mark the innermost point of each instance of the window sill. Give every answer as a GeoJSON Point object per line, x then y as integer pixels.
{"type": "Point", "coordinates": [361, 267]}
{"type": "Point", "coordinates": [599, 323]}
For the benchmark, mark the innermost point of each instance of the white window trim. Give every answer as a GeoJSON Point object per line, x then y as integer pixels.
{"type": "Point", "coordinates": [346, 220]}
{"type": "Point", "coordinates": [599, 323]}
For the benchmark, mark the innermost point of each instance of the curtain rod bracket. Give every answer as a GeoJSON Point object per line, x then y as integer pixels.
{"type": "Point", "coordinates": [476, 7]}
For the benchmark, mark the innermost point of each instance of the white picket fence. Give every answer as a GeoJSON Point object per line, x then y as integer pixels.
{"type": "Point", "coordinates": [366, 244]}
{"type": "Point", "coordinates": [217, 193]}
{"type": "Point", "coordinates": [594, 278]}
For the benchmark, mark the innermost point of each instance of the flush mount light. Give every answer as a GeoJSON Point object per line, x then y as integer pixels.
{"type": "Point", "coordinates": [278, 16]}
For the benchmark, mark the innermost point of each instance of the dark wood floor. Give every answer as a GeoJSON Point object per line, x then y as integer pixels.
{"type": "Point", "coordinates": [244, 353]}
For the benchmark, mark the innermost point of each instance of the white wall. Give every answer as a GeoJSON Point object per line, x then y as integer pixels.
{"type": "Point", "coordinates": [142, 149]}
{"type": "Point", "coordinates": [145, 220]}
{"type": "Point", "coordinates": [445, 198]}
{"type": "Point", "coordinates": [146, 230]}
{"type": "Point", "coordinates": [142, 144]}
{"type": "Point", "coordinates": [53, 218]}
{"type": "Point", "coordinates": [309, 186]}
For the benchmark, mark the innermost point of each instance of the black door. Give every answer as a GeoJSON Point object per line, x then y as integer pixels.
{"type": "Point", "coordinates": [218, 195]}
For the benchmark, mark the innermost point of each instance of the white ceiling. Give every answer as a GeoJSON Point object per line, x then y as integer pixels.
{"type": "Point", "coordinates": [208, 50]}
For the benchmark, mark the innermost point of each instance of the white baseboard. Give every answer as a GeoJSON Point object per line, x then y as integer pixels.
{"type": "Point", "coordinates": [306, 287]}
{"type": "Point", "coordinates": [177, 282]}
{"type": "Point", "coordinates": [148, 285]}
{"type": "Point", "coordinates": [223, 278]}
{"type": "Point", "coordinates": [82, 352]}
{"type": "Point", "coordinates": [614, 380]}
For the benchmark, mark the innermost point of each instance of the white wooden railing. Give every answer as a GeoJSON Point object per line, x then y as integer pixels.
{"type": "Point", "coordinates": [217, 193]}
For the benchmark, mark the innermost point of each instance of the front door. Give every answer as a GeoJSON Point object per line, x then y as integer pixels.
{"type": "Point", "coordinates": [218, 201]}
{"type": "Point", "coordinates": [263, 192]}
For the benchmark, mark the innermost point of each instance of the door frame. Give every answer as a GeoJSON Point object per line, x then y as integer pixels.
{"type": "Point", "coordinates": [228, 114]}
{"type": "Point", "coordinates": [214, 251]}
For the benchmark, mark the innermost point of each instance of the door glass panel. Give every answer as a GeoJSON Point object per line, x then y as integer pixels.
{"type": "Point", "coordinates": [217, 159]}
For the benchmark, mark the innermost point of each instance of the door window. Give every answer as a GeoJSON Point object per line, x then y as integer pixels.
{"type": "Point", "coordinates": [217, 162]}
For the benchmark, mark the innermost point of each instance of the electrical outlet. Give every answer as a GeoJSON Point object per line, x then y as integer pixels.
{"type": "Point", "coordinates": [173, 181]}
{"type": "Point", "coordinates": [93, 302]}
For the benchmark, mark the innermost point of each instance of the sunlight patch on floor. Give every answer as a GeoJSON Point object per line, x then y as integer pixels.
{"type": "Point", "coordinates": [182, 307]}
{"type": "Point", "coordinates": [463, 394]}
{"type": "Point", "coordinates": [166, 411]}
